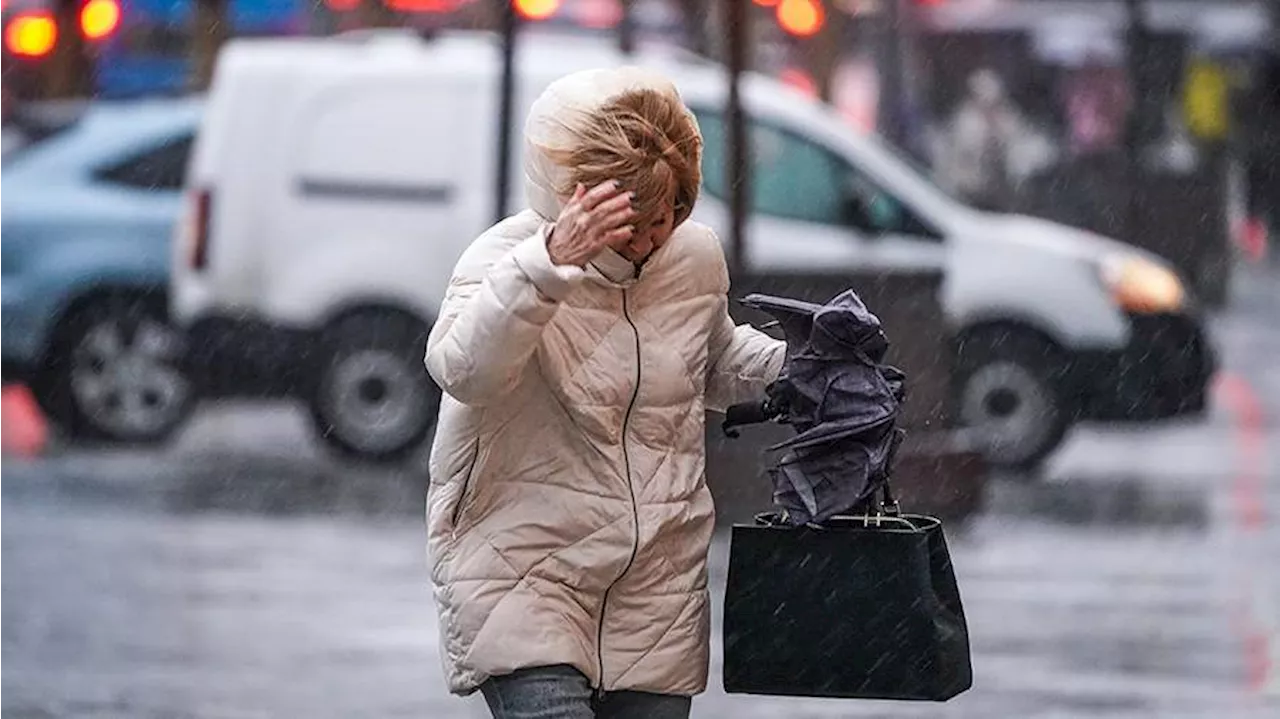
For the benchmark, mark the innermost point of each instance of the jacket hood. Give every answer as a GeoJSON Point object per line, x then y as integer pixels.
{"type": "Point", "coordinates": [554, 115]}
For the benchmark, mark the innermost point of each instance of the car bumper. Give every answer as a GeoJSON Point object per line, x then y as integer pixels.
{"type": "Point", "coordinates": [235, 357]}
{"type": "Point", "coordinates": [1164, 371]}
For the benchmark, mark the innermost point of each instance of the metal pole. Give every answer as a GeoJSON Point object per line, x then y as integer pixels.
{"type": "Point", "coordinates": [210, 33]}
{"type": "Point", "coordinates": [1136, 32]}
{"type": "Point", "coordinates": [506, 98]}
{"type": "Point", "coordinates": [737, 171]}
{"type": "Point", "coordinates": [69, 72]}
{"type": "Point", "coordinates": [695, 30]}
{"type": "Point", "coordinates": [8, 92]}
{"type": "Point", "coordinates": [627, 29]}
{"type": "Point", "coordinates": [894, 94]}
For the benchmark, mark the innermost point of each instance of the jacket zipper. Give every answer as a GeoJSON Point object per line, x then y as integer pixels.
{"type": "Point", "coordinates": [635, 511]}
{"type": "Point", "coordinates": [466, 486]}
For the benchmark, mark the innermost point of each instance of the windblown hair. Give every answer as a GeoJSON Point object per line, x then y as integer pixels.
{"type": "Point", "coordinates": [645, 139]}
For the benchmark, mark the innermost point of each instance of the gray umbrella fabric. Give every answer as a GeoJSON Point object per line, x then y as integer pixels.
{"type": "Point", "coordinates": [841, 399]}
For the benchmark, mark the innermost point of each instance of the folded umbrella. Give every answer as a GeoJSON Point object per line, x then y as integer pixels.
{"type": "Point", "coordinates": [843, 402]}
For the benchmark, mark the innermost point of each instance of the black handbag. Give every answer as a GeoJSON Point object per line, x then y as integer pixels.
{"type": "Point", "coordinates": [860, 607]}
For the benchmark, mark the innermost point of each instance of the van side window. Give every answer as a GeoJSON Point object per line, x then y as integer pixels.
{"type": "Point", "coordinates": [162, 167]}
{"type": "Point", "coordinates": [795, 178]}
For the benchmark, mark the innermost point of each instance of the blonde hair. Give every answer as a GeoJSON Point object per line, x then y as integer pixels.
{"type": "Point", "coordinates": [645, 139]}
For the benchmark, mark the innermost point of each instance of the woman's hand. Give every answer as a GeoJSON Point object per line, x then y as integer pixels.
{"type": "Point", "coordinates": [590, 221]}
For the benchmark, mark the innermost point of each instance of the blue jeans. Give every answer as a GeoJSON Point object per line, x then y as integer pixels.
{"type": "Point", "coordinates": [562, 692]}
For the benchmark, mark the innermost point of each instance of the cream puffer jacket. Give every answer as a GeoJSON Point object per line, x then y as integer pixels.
{"type": "Point", "coordinates": [568, 515]}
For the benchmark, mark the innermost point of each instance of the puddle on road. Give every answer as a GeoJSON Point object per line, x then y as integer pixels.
{"type": "Point", "coordinates": [289, 486]}
{"type": "Point", "coordinates": [219, 482]}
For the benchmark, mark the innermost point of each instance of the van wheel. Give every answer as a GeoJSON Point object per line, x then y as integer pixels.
{"type": "Point", "coordinates": [1009, 390]}
{"type": "Point", "coordinates": [373, 399]}
{"type": "Point", "coordinates": [114, 371]}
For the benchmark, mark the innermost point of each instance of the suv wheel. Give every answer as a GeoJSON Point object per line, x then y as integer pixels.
{"type": "Point", "coordinates": [1009, 391]}
{"type": "Point", "coordinates": [373, 398]}
{"type": "Point", "coordinates": [115, 372]}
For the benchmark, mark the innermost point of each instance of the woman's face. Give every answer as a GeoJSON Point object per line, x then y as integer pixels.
{"type": "Point", "coordinates": [654, 227]}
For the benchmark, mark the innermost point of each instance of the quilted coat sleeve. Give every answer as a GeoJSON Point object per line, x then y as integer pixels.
{"type": "Point", "coordinates": [502, 294]}
{"type": "Point", "coordinates": [741, 360]}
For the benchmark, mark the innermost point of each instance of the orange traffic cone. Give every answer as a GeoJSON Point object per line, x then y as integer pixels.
{"type": "Point", "coordinates": [23, 430]}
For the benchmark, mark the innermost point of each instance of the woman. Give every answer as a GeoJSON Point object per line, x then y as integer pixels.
{"type": "Point", "coordinates": [579, 344]}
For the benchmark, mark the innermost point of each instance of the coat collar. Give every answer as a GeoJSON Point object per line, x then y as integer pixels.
{"type": "Point", "coordinates": [611, 269]}
{"type": "Point", "coordinates": [614, 267]}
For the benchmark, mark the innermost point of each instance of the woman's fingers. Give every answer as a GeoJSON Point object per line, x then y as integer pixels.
{"type": "Point", "coordinates": [617, 219]}
{"type": "Point", "coordinates": [613, 213]}
{"type": "Point", "coordinates": [617, 235]}
{"type": "Point", "coordinates": [617, 202]}
{"type": "Point", "coordinates": [594, 219]}
{"type": "Point", "coordinates": [609, 189]}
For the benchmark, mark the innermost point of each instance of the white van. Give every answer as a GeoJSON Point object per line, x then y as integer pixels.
{"type": "Point", "coordinates": [335, 181]}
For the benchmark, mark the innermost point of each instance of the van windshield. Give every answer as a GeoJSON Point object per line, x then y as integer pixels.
{"type": "Point", "coordinates": [911, 169]}
{"type": "Point", "coordinates": [795, 176]}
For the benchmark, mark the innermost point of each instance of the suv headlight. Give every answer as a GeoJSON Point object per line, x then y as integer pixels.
{"type": "Point", "coordinates": [1141, 285]}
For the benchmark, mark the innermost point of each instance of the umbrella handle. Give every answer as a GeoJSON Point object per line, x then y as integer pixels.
{"type": "Point", "coordinates": [757, 412]}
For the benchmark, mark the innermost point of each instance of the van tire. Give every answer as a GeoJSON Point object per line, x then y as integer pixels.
{"type": "Point", "coordinates": [1011, 380]}
{"type": "Point", "coordinates": [371, 368]}
{"type": "Point", "coordinates": [115, 371]}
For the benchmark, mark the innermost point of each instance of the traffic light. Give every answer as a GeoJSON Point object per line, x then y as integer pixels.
{"type": "Point", "coordinates": [99, 18]}
{"type": "Point", "coordinates": [35, 34]}
{"type": "Point", "coordinates": [800, 18]}
{"type": "Point", "coordinates": [31, 35]}
{"type": "Point", "coordinates": [536, 9]}
{"type": "Point", "coordinates": [419, 6]}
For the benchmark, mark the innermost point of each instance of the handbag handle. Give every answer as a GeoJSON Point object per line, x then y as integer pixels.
{"type": "Point", "coordinates": [878, 520]}
{"type": "Point", "coordinates": [888, 503]}
{"type": "Point", "coordinates": [867, 521]}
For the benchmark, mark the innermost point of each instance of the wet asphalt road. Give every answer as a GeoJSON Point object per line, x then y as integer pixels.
{"type": "Point", "coordinates": [241, 573]}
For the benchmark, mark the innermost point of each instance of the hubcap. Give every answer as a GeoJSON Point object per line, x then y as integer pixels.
{"type": "Point", "coordinates": [125, 376]}
{"type": "Point", "coordinates": [1010, 408]}
{"type": "Point", "coordinates": [374, 401]}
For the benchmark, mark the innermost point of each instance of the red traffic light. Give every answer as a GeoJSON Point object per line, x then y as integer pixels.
{"type": "Point", "coordinates": [802, 18]}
